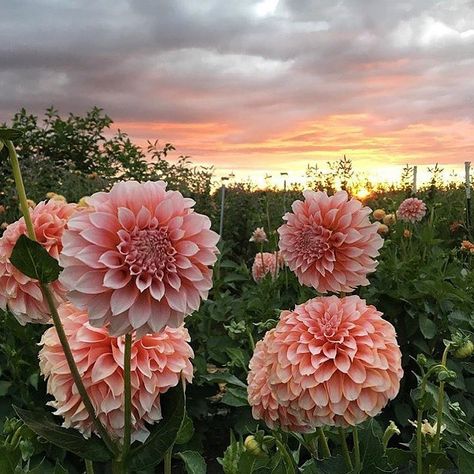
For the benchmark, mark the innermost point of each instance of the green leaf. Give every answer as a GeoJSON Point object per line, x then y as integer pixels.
{"type": "Point", "coordinates": [224, 377]}
{"type": "Point", "coordinates": [465, 461]}
{"type": "Point", "coordinates": [193, 462]}
{"type": "Point", "coordinates": [163, 435]}
{"type": "Point", "coordinates": [427, 327]}
{"type": "Point", "coordinates": [438, 460]}
{"type": "Point", "coordinates": [33, 260]}
{"type": "Point", "coordinates": [9, 133]}
{"type": "Point", "coordinates": [186, 431]}
{"type": "Point", "coordinates": [4, 386]}
{"type": "Point", "coordinates": [333, 465]}
{"type": "Point", "coordinates": [67, 438]}
{"type": "Point", "coordinates": [9, 459]}
{"type": "Point", "coordinates": [235, 397]}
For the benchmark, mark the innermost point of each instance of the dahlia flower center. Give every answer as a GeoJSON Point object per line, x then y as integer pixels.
{"type": "Point", "coordinates": [149, 251]}
{"type": "Point", "coordinates": [313, 242]}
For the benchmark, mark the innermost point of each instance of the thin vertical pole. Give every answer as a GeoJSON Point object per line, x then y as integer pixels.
{"type": "Point", "coordinates": [221, 223]}
{"type": "Point", "coordinates": [413, 188]}
{"type": "Point", "coordinates": [467, 168]}
{"type": "Point", "coordinates": [284, 195]}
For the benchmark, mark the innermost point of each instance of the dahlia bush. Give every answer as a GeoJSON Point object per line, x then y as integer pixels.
{"type": "Point", "coordinates": [158, 362]}
{"type": "Point", "coordinates": [329, 241]}
{"type": "Point", "coordinates": [331, 361]}
{"type": "Point", "coordinates": [18, 292]}
{"type": "Point", "coordinates": [138, 258]}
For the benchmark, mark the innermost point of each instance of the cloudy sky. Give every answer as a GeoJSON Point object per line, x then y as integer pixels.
{"type": "Point", "coordinates": [255, 86]}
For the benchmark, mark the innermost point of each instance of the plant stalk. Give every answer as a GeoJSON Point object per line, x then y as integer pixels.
{"type": "Point", "coordinates": [324, 443]}
{"type": "Point", "coordinates": [167, 461]}
{"type": "Point", "coordinates": [51, 303]}
{"type": "Point", "coordinates": [127, 432]}
{"type": "Point", "coordinates": [355, 437]}
{"type": "Point", "coordinates": [89, 466]}
{"type": "Point", "coordinates": [439, 411]}
{"type": "Point", "coordinates": [345, 450]}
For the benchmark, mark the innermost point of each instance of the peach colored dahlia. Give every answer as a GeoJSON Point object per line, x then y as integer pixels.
{"type": "Point", "coordinates": [265, 263]}
{"type": "Point", "coordinates": [158, 362]}
{"type": "Point", "coordinates": [411, 210]}
{"type": "Point", "coordinates": [138, 258]}
{"type": "Point", "coordinates": [19, 293]}
{"type": "Point", "coordinates": [259, 236]}
{"type": "Point", "coordinates": [329, 242]}
{"type": "Point", "coordinates": [331, 361]}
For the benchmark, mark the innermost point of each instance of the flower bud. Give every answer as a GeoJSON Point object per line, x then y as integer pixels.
{"type": "Point", "coordinates": [389, 219]}
{"type": "Point", "coordinates": [382, 229]}
{"type": "Point", "coordinates": [252, 446]}
{"type": "Point", "coordinates": [378, 214]}
{"type": "Point", "coordinates": [407, 233]}
{"type": "Point", "coordinates": [465, 350]}
{"type": "Point", "coordinates": [392, 429]}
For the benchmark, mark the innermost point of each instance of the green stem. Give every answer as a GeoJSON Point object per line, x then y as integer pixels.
{"type": "Point", "coordinates": [251, 339]}
{"type": "Point", "coordinates": [20, 187]}
{"type": "Point", "coordinates": [167, 461]}
{"type": "Point", "coordinates": [127, 432]}
{"type": "Point", "coordinates": [345, 449]}
{"type": "Point", "coordinates": [419, 453]}
{"type": "Point", "coordinates": [324, 443]}
{"type": "Point", "coordinates": [285, 453]}
{"type": "Point", "coordinates": [52, 304]}
{"type": "Point", "coordinates": [89, 466]}
{"type": "Point", "coordinates": [118, 467]}
{"type": "Point", "coordinates": [439, 414]}
{"type": "Point", "coordinates": [355, 437]}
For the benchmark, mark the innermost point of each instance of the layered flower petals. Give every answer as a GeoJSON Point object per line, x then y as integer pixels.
{"type": "Point", "coordinates": [19, 293]}
{"type": "Point", "coordinates": [329, 242]}
{"type": "Point", "coordinates": [143, 252]}
{"type": "Point", "coordinates": [158, 362]}
{"type": "Point", "coordinates": [411, 210]}
{"type": "Point", "coordinates": [331, 361]}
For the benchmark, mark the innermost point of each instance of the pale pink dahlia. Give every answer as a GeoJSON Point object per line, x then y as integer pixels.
{"type": "Point", "coordinates": [19, 293]}
{"type": "Point", "coordinates": [331, 361]}
{"type": "Point", "coordinates": [259, 236]}
{"type": "Point", "coordinates": [265, 263]}
{"type": "Point", "coordinates": [138, 258]}
{"type": "Point", "coordinates": [158, 362]}
{"type": "Point", "coordinates": [329, 242]}
{"type": "Point", "coordinates": [411, 210]}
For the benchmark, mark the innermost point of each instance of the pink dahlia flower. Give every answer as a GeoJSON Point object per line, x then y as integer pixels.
{"type": "Point", "coordinates": [411, 210]}
{"type": "Point", "coordinates": [265, 263]}
{"type": "Point", "coordinates": [329, 242]}
{"type": "Point", "coordinates": [158, 362]}
{"type": "Point", "coordinates": [331, 361]}
{"type": "Point", "coordinates": [19, 293]}
{"type": "Point", "coordinates": [138, 258]}
{"type": "Point", "coordinates": [259, 236]}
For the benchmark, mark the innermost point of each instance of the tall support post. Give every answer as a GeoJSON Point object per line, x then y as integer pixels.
{"type": "Point", "coordinates": [414, 185]}
{"type": "Point", "coordinates": [221, 222]}
{"type": "Point", "coordinates": [467, 168]}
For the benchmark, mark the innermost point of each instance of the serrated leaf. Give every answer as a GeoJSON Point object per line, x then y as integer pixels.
{"type": "Point", "coordinates": [193, 462]}
{"type": "Point", "coordinates": [67, 438]}
{"type": "Point", "coordinates": [34, 261]}
{"type": "Point", "coordinates": [10, 133]}
{"type": "Point", "coordinates": [163, 435]}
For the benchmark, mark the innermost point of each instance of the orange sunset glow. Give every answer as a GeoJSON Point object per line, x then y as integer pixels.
{"type": "Point", "coordinates": [259, 88]}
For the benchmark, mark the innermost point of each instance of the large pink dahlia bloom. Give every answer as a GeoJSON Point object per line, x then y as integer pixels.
{"type": "Point", "coordinates": [19, 293]}
{"type": "Point", "coordinates": [158, 362]}
{"type": "Point", "coordinates": [138, 258]}
{"type": "Point", "coordinates": [331, 361]}
{"type": "Point", "coordinates": [411, 210]}
{"type": "Point", "coordinates": [329, 242]}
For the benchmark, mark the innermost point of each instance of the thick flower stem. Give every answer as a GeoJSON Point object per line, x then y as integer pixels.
{"type": "Point", "coordinates": [439, 414]}
{"type": "Point", "coordinates": [355, 437]}
{"type": "Point", "coordinates": [324, 443]}
{"type": "Point", "coordinates": [167, 461]}
{"type": "Point", "coordinates": [51, 303]}
{"type": "Point", "coordinates": [419, 448]}
{"type": "Point", "coordinates": [345, 449]}
{"type": "Point", "coordinates": [89, 466]}
{"type": "Point", "coordinates": [127, 433]}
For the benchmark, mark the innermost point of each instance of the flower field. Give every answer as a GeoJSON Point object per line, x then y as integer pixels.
{"type": "Point", "coordinates": [318, 333]}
